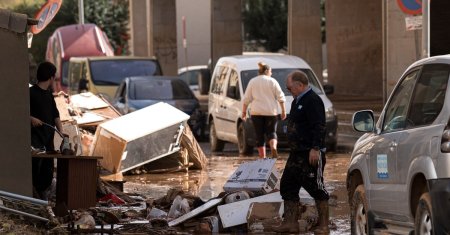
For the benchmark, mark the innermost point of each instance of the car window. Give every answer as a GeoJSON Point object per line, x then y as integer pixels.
{"type": "Point", "coordinates": [429, 95]}
{"type": "Point", "coordinates": [190, 77]}
{"type": "Point", "coordinates": [160, 90]}
{"type": "Point", "coordinates": [112, 72]}
{"type": "Point", "coordinates": [219, 80]}
{"type": "Point", "coordinates": [397, 109]}
{"type": "Point", "coordinates": [65, 73]}
{"type": "Point", "coordinates": [233, 86]}
{"type": "Point", "coordinates": [281, 75]}
{"type": "Point", "coordinates": [75, 76]}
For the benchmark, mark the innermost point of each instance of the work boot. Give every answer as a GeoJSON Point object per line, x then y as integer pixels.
{"type": "Point", "coordinates": [290, 220]}
{"type": "Point", "coordinates": [322, 225]}
{"type": "Point", "coordinates": [274, 153]}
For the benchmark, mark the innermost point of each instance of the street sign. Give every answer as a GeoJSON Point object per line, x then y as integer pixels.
{"type": "Point", "coordinates": [410, 7]}
{"type": "Point", "coordinates": [45, 15]}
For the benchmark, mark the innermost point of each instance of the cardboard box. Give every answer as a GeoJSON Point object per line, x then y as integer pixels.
{"type": "Point", "coordinates": [258, 176]}
{"type": "Point", "coordinates": [140, 137]}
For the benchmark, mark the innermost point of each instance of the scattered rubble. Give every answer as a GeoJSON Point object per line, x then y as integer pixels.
{"type": "Point", "coordinates": [178, 212]}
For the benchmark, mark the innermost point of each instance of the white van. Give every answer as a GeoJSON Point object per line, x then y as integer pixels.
{"type": "Point", "coordinates": [228, 83]}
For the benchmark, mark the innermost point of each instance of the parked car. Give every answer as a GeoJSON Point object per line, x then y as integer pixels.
{"type": "Point", "coordinates": [138, 92]}
{"type": "Point", "coordinates": [74, 40]}
{"type": "Point", "coordinates": [399, 174]}
{"type": "Point", "coordinates": [228, 83]}
{"type": "Point", "coordinates": [102, 75]}
{"type": "Point", "coordinates": [198, 78]}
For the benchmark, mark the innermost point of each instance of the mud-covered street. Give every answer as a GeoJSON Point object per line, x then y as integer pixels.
{"type": "Point", "coordinates": [208, 183]}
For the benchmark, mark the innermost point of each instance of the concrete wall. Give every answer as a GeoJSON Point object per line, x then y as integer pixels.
{"type": "Point", "coordinates": [15, 138]}
{"type": "Point", "coordinates": [304, 34]}
{"type": "Point", "coordinates": [153, 32]}
{"type": "Point", "coordinates": [402, 47]}
{"type": "Point", "coordinates": [226, 31]}
{"type": "Point", "coordinates": [140, 28]}
{"type": "Point", "coordinates": [165, 35]}
{"type": "Point", "coordinates": [354, 45]}
{"type": "Point", "coordinates": [198, 32]}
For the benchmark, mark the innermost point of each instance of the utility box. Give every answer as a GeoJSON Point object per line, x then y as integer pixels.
{"type": "Point", "coordinates": [139, 137]}
{"type": "Point", "coordinates": [257, 176]}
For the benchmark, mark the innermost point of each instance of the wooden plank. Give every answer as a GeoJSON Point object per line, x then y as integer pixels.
{"type": "Point", "coordinates": [195, 152]}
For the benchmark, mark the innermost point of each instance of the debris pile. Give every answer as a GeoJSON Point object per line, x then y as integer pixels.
{"type": "Point", "coordinates": [244, 208]}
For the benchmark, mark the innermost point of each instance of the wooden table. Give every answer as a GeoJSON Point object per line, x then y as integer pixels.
{"type": "Point", "coordinates": [76, 182]}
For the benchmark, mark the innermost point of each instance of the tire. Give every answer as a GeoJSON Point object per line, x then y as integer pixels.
{"type": "Point", "coordinates": [358, 214]}
{"type": "Point", "coordinates": [244, 147]}
{"type": "Point", "coordinates": [216, 144]}
{"type": "Point", "coordinates": [424, 222]}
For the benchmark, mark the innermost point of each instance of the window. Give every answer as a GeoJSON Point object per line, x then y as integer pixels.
{"type": "Point", "coordinates": [219, 80]}
{"type": "Point", "coordinates": [397, 109]}
{"type": "Point", "coordinates": [112, 72]}
{"type": "Point", "coordinates": [233, 86]}
{"type": "Point", "coordinates": [281, 75]}
{"type": "Point", "coordinates": [75, 76]}
{"type": "Point", "coordinates": [429, 94]}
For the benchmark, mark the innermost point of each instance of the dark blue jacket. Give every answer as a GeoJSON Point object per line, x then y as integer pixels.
{"type": "Point", "coordinates": [306, 124]}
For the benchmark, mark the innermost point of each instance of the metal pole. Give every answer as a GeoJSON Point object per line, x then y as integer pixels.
{"type": "Point", "coordinates": [24, 213]}
{"type": "Point", "coordinates": [185, 43]}
{"type": "Point", "coordinates": [385, 48]}
{"type": "Point", "coordinates": [425, 28]}
{"type": "Point", "coordinates": [80, 12]}
{"type": "Point", "coordinates": [24, 198]}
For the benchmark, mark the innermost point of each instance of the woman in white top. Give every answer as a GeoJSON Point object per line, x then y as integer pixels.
{"type": "Point", "coordinates": [265, 94]}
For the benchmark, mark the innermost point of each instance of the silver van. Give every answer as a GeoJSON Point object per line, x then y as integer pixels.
{"type": "Point", "coordinates": [398, 179]}
{"type": "Point", "coordinates": [228, 83]}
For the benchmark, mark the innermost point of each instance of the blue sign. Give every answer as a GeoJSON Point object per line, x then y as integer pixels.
{"type": "Point", "coordinates": [411, 7]}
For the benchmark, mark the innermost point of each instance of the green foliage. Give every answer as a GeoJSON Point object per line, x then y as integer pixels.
{"type": "Point", "coordinates": [265, 23]}
{"type": "Point", "coordinates": [112, 17]}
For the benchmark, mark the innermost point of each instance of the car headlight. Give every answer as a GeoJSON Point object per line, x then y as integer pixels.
{"type": "Point", "coordinates": [330, 113]}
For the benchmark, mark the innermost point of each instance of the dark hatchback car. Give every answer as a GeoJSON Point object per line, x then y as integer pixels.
{"type": "Point", "coordinates": [138, 92]}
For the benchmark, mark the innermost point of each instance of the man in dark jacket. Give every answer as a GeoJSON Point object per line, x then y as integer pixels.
{"type": "Point", "coordinates": [43, 112]}
{"type": "Point", "coordinates": [306, 162]}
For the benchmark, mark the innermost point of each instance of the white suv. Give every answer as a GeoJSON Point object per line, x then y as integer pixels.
{"type": "Point", "coordinates": [399, 175]}
{"type": "Point", "coordinates": [228, 83]}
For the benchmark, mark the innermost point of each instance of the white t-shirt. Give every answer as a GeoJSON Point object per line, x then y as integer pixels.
{"type": "Point", "coordinates": [264, 93]}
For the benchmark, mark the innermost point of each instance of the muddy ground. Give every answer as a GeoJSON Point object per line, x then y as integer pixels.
{"type": "Point", "coordinates": [208, 183]}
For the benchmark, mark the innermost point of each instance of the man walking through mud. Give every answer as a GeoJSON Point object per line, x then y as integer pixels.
{"type": "Point", "coordinates": [306, 162]}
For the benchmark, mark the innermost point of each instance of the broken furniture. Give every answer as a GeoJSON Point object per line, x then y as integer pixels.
{"type": "Point", "coordinates": [139, 137]}
{"type": "Point", "coordinates": [76, 182]}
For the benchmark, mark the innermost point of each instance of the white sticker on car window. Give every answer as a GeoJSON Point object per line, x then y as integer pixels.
{"type": "Point", "coordinates": [382, 166]}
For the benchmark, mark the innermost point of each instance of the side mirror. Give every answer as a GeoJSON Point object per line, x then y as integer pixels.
{"type": "Point", "coordinates": [363, 121]}
{"type": "Point", "coordinates": [329, 89]}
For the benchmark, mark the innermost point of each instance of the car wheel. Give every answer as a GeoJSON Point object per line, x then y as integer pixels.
{"type": "Point", "coordinates": [216, 144]}
{"type": "Point", "coordinates": [358, 214]}
{"type": "Point", "coordinates": [424, 221]}
{"type": "Point", "coordinates": [244, 147]}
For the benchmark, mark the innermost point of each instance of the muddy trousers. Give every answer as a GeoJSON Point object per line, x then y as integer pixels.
{"type": "Point", "coordinates": [299, 173]}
